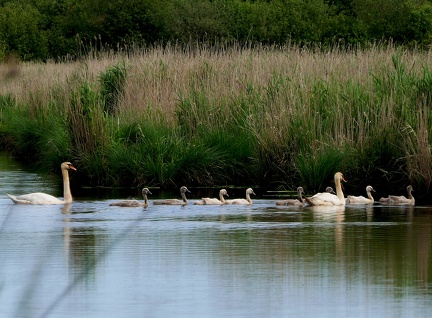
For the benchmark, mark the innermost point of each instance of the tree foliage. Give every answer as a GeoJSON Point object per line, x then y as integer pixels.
{"type": "Point", "coordinates": [44, 29]}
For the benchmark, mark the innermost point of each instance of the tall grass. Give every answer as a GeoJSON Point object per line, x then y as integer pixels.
{"type": "Point", "coordinates": [273, 116]}
{"type": "Point", "coordinates": [112, 88]}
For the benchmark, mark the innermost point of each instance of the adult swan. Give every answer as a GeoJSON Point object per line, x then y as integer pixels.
{"type": "Point", "coordinates": [326, 198]}
{"type": "Point", "coordinates": [46, 199]}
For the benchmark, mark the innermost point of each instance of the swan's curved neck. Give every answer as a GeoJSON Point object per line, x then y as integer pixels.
{"type": "Point", "coordinates": [248, 198]}
{"type": "Point", "coordinates": [369, 194]}
{"type": "Point", "coordinates": [410, 196]}
{"type": "Point", "coordinates": [145, 200]}
{"type": "Point", "coordinates": [221, 197]}
{"type": "Point", "coordinates": [300, 197]}
{"type": "Point", "coordinates": [183, 195]}
{"type": "Point", "coordinates": [339, 192]}
{"type": "Point", "coordinates": [67, 196]}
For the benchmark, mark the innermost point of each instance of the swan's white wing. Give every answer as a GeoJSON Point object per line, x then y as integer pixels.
{"type": "Point", "coordinates": [240, 201]}
{"type": "Point", "coordinates": [325, 198]}
{"type": "Point", "coordinates": [208, 201]}
{"type": "Point", "coordinates": [36, 198]}
{"type": "Point", "coordinates": [213, 201]}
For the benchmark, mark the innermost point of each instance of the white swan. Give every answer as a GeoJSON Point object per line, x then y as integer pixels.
{"type": "Point", "coordinates": [400, 200]}
{"type": "Point", "coordinates": [46, 199]}
{"type": "Point", "coordinates": [214, 201]}
{"type": "Point", "coordinates": [246, 201]}
{"type": "Point", "coordinates": [297, 202]}
{"type": "Point", "coordinates": [361, 199]}
{"type": "Point", "coordinates": [326, 198]}
{"type": "Point", "coordinates": [183, 201]}
{"type": "Point", "coordinates": [134, 203]}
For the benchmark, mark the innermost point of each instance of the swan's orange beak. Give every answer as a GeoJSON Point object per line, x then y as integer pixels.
{"type": "Point", "coordinates": [72, 167]}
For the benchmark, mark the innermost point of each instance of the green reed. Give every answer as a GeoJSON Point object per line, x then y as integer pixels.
{"type": "Point", "coordinates": [112, 87]}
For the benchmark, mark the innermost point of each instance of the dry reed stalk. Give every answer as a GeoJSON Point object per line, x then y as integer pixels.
{"type": "Point", "coordinates": [157, 77]}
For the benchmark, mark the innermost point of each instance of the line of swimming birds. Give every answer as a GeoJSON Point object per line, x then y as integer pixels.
{"type": "Point", "coordinates": [327, 198]}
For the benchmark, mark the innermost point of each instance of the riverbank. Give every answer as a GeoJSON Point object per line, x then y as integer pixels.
{"type": "Point", "coordinates": [272, 117]}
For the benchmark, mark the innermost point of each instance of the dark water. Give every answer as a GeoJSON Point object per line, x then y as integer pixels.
{"type": "Point", "coordinates": [92, 260]}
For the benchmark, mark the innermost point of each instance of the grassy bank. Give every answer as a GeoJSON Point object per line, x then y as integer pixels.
{"type": "Point", "coordinates": [276, 117]}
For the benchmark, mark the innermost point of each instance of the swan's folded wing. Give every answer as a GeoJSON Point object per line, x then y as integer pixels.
{"type": "Point", "coordinates": [240, 201]}
{"type": "Point", "coordinates": [397, 198]}
{"type": "Point", "coordinates": [127, 203]}
{"type": "Point", "coordinates": [324, 198]}
{"type": "Point", "coordinates": [208, 201]}
{"type": "Point", "coordinates": [36, 198]}
{"type": "Point", "coordinates": [289, 202]}
{"type": "Point", "coordinates": [169, 202]}
{"type": "Point", "coordinates": [401, 200]}
{"type": "Point", "coordinates": [212, 201]}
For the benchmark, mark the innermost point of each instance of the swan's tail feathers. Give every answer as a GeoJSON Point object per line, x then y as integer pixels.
{"type": "Point", "coordinates": [17, 200]}
{"type": "Point", "coordinates": [12, 197]}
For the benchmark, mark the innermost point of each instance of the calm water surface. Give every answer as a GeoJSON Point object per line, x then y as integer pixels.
{"type": "Point", "coordinates": [92, 260]}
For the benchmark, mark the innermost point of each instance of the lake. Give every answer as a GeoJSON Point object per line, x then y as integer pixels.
{"type": "Point", "coordinates": [89, 259]}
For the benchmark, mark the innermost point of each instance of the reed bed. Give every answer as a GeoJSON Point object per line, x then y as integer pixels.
{"type": "Point", "coordinates": [272, 116]}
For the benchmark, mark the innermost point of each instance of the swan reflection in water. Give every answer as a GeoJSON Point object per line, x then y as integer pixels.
{"type": "Point", "coordinates": [327, 213]}
{"type": "Point", "coordinates": [81, 247]}
{"type": "Point", "coordinates": [335, 215]}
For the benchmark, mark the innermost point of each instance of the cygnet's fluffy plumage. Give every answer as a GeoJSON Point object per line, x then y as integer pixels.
{"type": "Point", "coordinates": [183, 201]}
{"type": "Point", "coordinates": [296, 202]}
{"type": "Point", "coordinates": [214, 201]}
{"type": "Point", "coordinates": [400, 200]}
{"type": "Point", "coordinates": [246, 201]}
{"type": "Point", "coordinates": [361, 199]}
{"type": "Point", "coordinates": [134, 203]}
